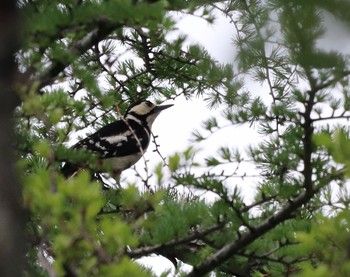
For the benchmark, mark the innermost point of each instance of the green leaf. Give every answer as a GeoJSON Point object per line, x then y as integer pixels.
{"type": "Point", "coordinates": [130, 196]}
{"type": "Point", "coordinates": [211, 161]}
{"type": "Point", "coordinates": [174, 162]}
{"type": "Point", "coordinates": [323, 139]}
{"type": "Point", "coordinates": [159, 173]}
{"type": "Point", "coordinates": [43, 148]}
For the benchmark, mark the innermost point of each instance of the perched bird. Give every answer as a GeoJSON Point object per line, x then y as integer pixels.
{"type": "Point", "coordinates": [123, 142]}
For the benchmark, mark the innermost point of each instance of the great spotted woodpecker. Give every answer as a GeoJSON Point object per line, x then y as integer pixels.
{"type": "Point", "coordinates": [123, 142]}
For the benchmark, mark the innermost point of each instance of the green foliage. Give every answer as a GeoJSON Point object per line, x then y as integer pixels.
{"type": "Point", "coordinates": [68, 218]}
{"type": "Point", "coordinates": [328, 243]}
{"type": "Point", "coordinates": [181, 217]}
{"type": "Point", "coordinates": [174, 162]}
{"type": "Point", "coordinates": [338, 145]}
{"type": "Point", "coordinates": [82, 62]}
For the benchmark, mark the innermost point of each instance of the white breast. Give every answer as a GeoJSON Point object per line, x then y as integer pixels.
{"type": "Point", "coordinates": [121, 163]}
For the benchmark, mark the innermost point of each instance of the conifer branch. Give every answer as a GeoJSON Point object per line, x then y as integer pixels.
{"type": "Point", "coordinates": [257, 203]}
{"type": "Point", "coordinates": [232, 248]}
{"type": "Point", "coordinates": [103, 29]}
{"type": "Point", "coordinates": [158, 248]}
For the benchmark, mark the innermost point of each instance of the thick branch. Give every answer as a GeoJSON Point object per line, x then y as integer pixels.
{"type": "Point", "coordinates": [103, 29]}
{"type": "Point", "coordinates": [308, 133]}
{"type": "Point", "coordinates": [285, 213]}
{"type": "Point", "coordinates": [232, 248]}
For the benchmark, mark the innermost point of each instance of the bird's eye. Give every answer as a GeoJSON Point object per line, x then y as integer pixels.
{"type": "Point", "coordinates": [149, 104]}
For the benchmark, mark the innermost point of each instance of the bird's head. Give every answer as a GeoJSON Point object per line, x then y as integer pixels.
{"type": "Point", "coordinates": [145, 110]}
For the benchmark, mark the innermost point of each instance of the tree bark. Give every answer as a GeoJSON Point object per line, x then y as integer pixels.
{"type": "Point", "coordinates": [12, 242]}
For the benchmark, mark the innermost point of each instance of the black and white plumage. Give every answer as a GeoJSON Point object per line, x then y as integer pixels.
{"type": "Point", "coordinates": [123, 142]}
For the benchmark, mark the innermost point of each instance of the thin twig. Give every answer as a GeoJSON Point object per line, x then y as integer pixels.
{"type": "Point", "coordinates": [141, 151]}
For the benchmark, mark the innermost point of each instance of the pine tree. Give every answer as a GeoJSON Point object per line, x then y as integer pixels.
{"type": "Point", "coordinates": [79, 59]}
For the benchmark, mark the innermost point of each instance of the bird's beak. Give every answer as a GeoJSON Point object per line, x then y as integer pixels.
{"type": "Point", "coordinates": [158, 109]}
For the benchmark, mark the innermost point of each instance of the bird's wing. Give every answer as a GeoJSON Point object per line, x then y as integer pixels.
{"type": "Point", "coordinates": [116, 140]}
{"type": "Point", "coordinates": [113, 140]}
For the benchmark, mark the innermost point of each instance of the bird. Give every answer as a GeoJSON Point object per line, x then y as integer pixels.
{"type": "Point", "coordinates": [121, 143]}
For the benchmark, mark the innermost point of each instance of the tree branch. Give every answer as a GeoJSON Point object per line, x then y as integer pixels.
{"type": "Point", "coordinates": [147, 250]}
{"type": "Point", "coordinates": [103, 29]}
{"type": "Point", "coordinates": [232, 248]}
{"type": "Point", "coordinates": [257, 203]}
